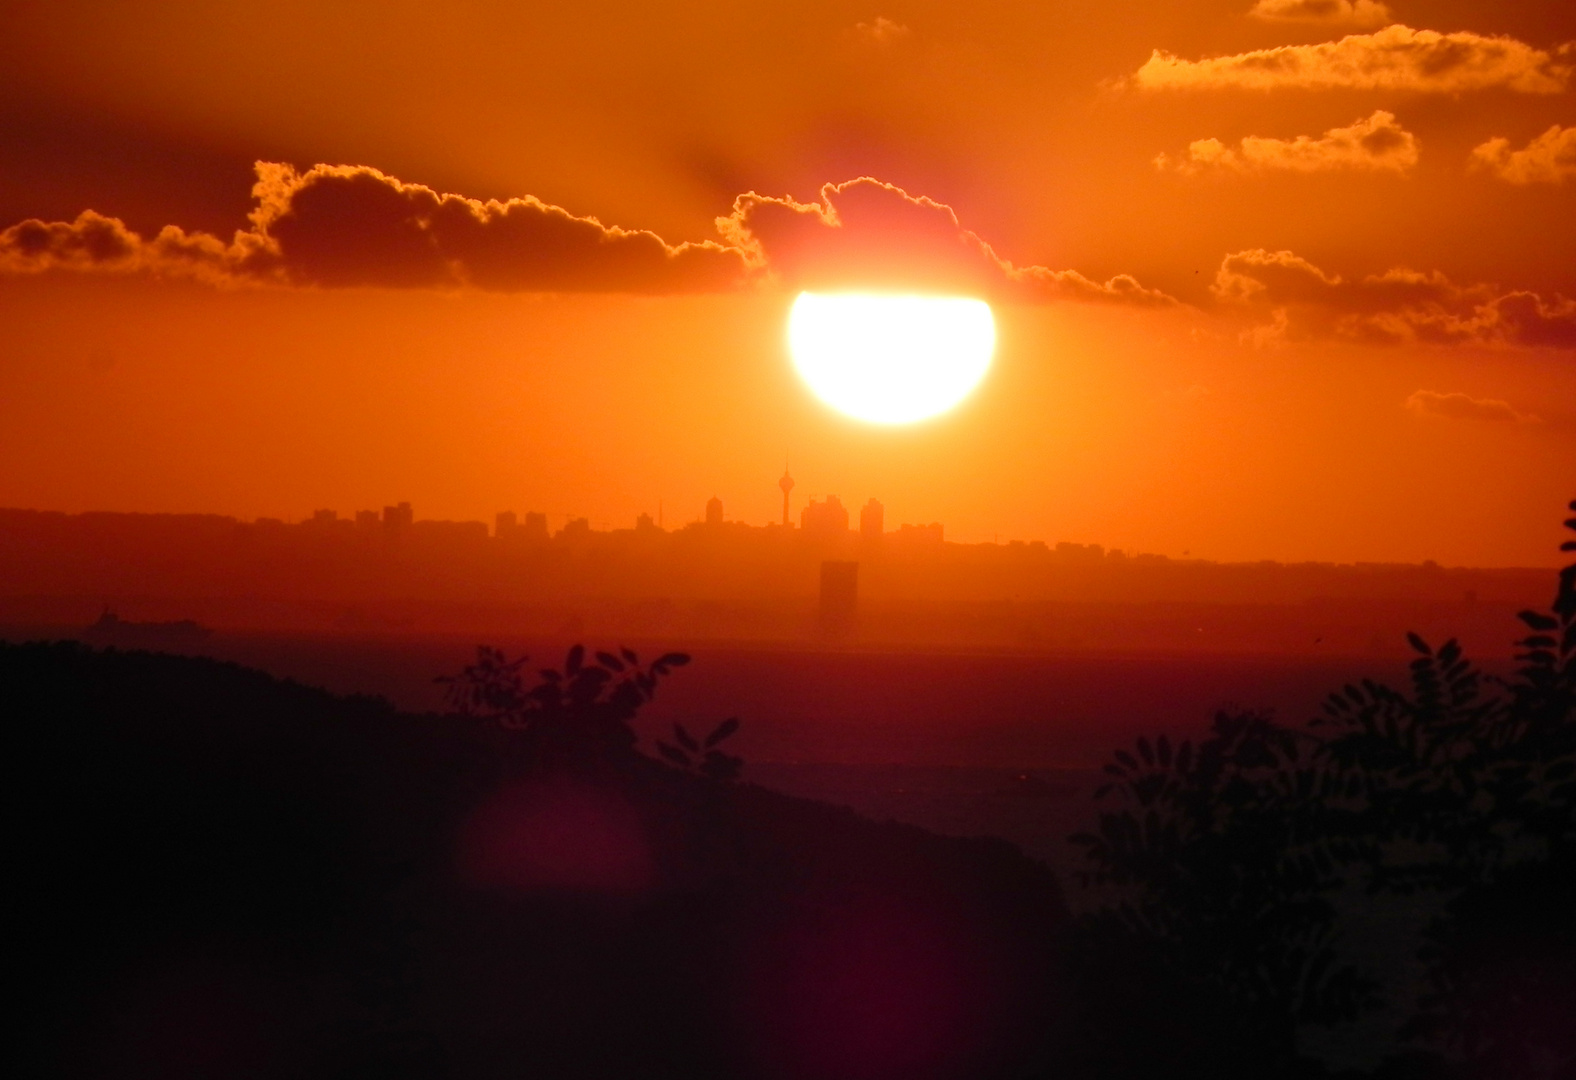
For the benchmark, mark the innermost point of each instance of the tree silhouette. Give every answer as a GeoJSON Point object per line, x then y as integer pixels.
{"type": "Point", "coordinates": [584, 713]}
{"type": "Point", "coordinates": [581, 713]}
{"type": "Point", "coordinates": [1220, 861]}
{"type": "Point", "coordinates": [1226, 857]}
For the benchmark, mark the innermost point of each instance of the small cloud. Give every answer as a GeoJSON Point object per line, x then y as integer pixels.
{"type": "Point", "coordinates": [881, 30]}
{"type": "Point", "coordinates": [94, 242]}
{"type": "Point", "coordinates": [1395, 58]}
{"type": "Point", "coordinates": [1359, 13]}
{"type": "Point", "coordinates": [1377, 144]}
{"type": "Point", "coordinates": [1463, 407]}
{"type": "Point", "coordinates": [1302, 302]}
{"type": "Point", "coordinates": [1548, 159]}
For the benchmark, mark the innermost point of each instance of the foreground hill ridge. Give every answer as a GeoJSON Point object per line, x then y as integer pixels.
{"type": "Point", "coordinates": [326, 886]}
{"type": "Point", "coordinates": [322, 886]}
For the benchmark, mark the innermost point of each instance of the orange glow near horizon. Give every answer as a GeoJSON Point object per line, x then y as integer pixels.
{"type": "Point", "coordinates": [890, 359]}
{"type": "Point", "coordinates": [516, 260]}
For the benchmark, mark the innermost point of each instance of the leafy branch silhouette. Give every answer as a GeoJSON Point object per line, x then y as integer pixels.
{"type": "Point", "coordinates": [1227, 856]}
{"type": "Point", "coordinates": [585, 711]}
{"type": "Point", "coordinates": [702, 756]}
{"type": "Point", "coordinates": [1219, 853]}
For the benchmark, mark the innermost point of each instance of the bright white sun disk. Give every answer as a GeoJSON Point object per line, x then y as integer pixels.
{"type": "Point", "coordinates": [890, 359]}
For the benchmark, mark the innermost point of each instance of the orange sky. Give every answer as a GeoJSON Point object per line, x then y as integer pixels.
{"type": "Point", "coordinates": [1278, 280]}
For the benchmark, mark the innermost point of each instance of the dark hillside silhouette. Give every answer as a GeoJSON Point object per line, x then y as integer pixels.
{"type": "Point", "coordinates": [233, 876]}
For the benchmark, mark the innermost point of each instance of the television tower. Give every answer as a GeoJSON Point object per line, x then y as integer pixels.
{"type": "Point", "coordinates": [786, 483]}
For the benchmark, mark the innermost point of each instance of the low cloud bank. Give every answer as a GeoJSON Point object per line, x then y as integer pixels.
{"type": "Point", "coordinates": [345, 226]}
{"type": "Point", "coordinates": [349, 226]}
{"type": "Point", "coordinates": [1377, 144]}
{"type": "Point", "coordinates": [353, 225]}
{"type": "Point", "coordinates": [1301, 302]}
{"type": "Point", "coordinates": [1395, 58]}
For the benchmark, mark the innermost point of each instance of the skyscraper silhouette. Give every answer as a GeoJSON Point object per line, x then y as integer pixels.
{"type": "Point", "coordinates": [872, 520]}
{"type": "Point", "coordinates": [398, 519]}
{"type": "Point", "coordinates": [827, 519]}
{"type": "Point", "coordinates": [786, 483]}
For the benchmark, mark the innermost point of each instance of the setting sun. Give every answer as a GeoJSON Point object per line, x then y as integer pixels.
{"type": "Point", "coordinates": [890, 359]}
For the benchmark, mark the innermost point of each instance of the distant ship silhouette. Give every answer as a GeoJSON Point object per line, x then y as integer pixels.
{"type": "Point", "coordinates": [111, 629]}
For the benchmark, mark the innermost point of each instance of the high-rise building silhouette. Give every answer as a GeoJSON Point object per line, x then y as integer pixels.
{"type": "Point", "coordinates": [921, 534]}
{"type": "Point", "coordinates": [786, 483]}
{"type": "Point", "coordinates": [535, 526]}
{"type": "Point", "coordinates": [505, 524]}
{"type": "Point", "coordinates": [872, 520]}
{"type": "Point", "coordinates": [826, 519]}
{"type": "Point", "coordinates": [714, 511]}
{"type": "Point", "coordinates": [398, 518]}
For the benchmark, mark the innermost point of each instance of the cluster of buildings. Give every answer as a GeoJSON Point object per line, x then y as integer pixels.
{"type": "Point", "coordinates": [825, 519]}
{"type": "Point", "coordinates": [829, 518]}
{"type": "Point", "coordinates": [825, 523]}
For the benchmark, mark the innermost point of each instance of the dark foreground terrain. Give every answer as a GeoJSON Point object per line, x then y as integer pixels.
{"type": "Point", "coordinates": [220, 874]}
{"type": "Point", "coordinates": [225, 875]}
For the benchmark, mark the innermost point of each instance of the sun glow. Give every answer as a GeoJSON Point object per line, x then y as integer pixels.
{"type": "Point", "coordinates": [890, 359]}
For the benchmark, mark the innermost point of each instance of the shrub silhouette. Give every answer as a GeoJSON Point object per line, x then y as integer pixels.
{"type": "Point", "coordinates": [703, 756]}
{"type": "Point", "coordinates": [1225, 877]}
{"type": "Point", "coordinates": [580, 714]}
{"type": "Point", "coordinates": [1226, 857]}
{"type": "Point", "coordinates": [584, 713]}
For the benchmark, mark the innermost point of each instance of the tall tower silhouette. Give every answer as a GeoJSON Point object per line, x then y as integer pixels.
{"type": "Point", "coordinates": [786, 483]}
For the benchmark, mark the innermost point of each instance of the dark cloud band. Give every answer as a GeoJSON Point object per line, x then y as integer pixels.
{"type": "Point", "coordinates": [336, 226]}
